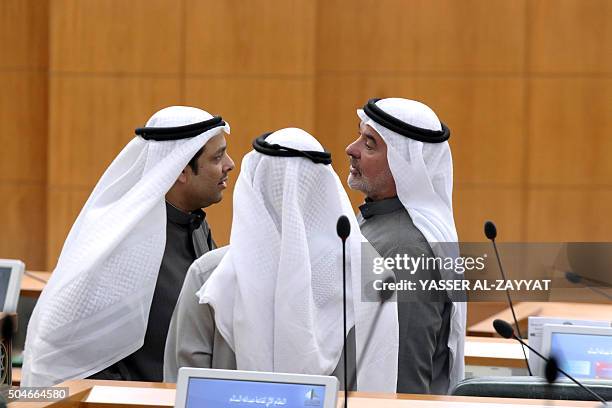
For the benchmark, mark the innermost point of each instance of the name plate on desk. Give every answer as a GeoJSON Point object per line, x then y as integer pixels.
{"type": "Point", "coordinates": [203, 388]}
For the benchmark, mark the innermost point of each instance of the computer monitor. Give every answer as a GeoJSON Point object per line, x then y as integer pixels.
{"type": "Point", "coordinates": [585, 352]}
{"type": "Point", "coordinates": [11, 272]}
{"type": "Point", "coordinates": [210, 388]}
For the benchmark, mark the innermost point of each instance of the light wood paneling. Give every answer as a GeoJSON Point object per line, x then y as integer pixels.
{"type": "Point", "coordinates": [557, 215]}
{"type": "Point", "coordinates": [421, 35]}
{"type": "Point", "coordinates": [250, 37]}
{"type": "Point", "coordinates": [487, 122]}
{"type": "Point", "coordinates": [570, 36]}
{"type": "Point", "coordinates": [93, 118]}
{"type": "Point", "coordinates": [23, 33]}
{"type": "Point", "coordinates": [252, 107]}
{"type": "Point", "coordinates": [22, 222]}
{"type": "Point", "coordinates": [23, 126]}
{"type": "Point", "coordinates": [486, 118]}
{"type": "Point", "coordinates": [475, 205]}
{"type": "Point", "coordinates": [265, 64]}
{"type": "Point", "coordinates": [23, 130]}
{"type": "Point", "coordinates": [116, 36]}
{"type": "Point", "coordinates": [63, 207]}
{"type": "Point", "coordinates": [568, 139]}
{"type": "Point", "coordinates": [478, 311]}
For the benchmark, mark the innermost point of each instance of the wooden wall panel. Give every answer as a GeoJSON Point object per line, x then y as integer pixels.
{"type": "Point", "coordinates": [522, 84]}
{"type": "Point", "coordinates": [570, 36]}
{"type": "Point", "coordinates": [580, 214]}
{"type": "Point", "coordinates": [133, 36]}
{"type": "Point", "coordinates": [252, 107]}
{"type": "Point", "coordinates": [64, 205]}
{"type": "Point", "coordinates": [486, 117]}
{"type": "Point", "coordinates": [569, 143]}
{"type": "Point", "coordinates": [421, 35]}
{"type": "Point", "coordinates": [475, 205]}
{"type": "Point", "coordinates": [487, 121]}
{"type": "Point", "coordinates": [23, 34]}
{"type": "Point", "coordinates": [235, 37]}
{"type": "Point", "coordinates": [23, 126]}
{"type": "Point", "coordinates": [93, 118]}
{"type": "Point", "coordinates": [22, 222]}
{"type": "Point", "coordinates": [23, 130]}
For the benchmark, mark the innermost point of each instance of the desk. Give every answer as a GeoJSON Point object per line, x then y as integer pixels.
{"type": "Point", "coordinates": [118, 394]}
{"type": "Point", "coordinates": [493, 352]}
{"type": "Point", "coordinates": [31, 287]}
{"type": "Point", "coordinates": [479, 351]}
{"type": "Point", "coordinates": [591, 311]}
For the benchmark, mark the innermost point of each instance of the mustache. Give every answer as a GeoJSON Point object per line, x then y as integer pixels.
{"type": "Point", "coordinates": [354, 163]}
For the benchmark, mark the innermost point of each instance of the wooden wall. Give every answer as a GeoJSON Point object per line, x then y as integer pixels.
{"type": "Point", "coordinates": [525, 86]}
{"type": "Point", "coordinates": [23, 130]}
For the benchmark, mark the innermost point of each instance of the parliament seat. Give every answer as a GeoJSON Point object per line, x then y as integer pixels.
{"type": "Point", "coordinates": [531, 387]}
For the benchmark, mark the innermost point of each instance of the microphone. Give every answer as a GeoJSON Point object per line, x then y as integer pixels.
{"type": "Point", "coordinates": [572, 277]}
{"type": "Point", "coordinates": [505, 330]}
{"type": "Point", "coordinates": [343, 228]}
{"type": "Point", "coordinates": [491, 233]}
{"type": "Point", "coordinates": [577, 279]}
{"type": "Point", "coordinates": [490, 230]}
{"type": "Point", "coordinates": [7, 331]}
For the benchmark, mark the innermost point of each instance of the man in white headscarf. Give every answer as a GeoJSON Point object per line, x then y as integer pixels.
{"type": "Point", "coordinates": [402, 162]}
{"type": "Point", "coordinates": [106, 309]}
{"type": "Point", "coordinates": [272, 300]}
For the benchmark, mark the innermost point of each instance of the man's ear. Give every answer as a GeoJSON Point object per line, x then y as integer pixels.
{"type": "Point", "coordinates": [183, 177]}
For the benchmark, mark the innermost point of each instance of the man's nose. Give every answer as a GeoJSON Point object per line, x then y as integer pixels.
{"type": "Point", "coordinates": [352, 150]}
{"type": "Point", "coordinates": [230, 164]}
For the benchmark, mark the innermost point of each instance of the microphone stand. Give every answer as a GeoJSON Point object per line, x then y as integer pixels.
{"type": "Point", "coordinates": [343, 228]}
{"type": "Point", "coordinates": [491, 233]}
{"type": "Point", "coordinates": [504, 329]}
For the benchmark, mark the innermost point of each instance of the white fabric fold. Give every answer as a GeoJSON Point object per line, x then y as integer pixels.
{"type": "Point", "coordinates": [277, 293]}
{"type": "Point", "coordinates": [94, 309]}
{"type": "Point", "coordinates": [423, 174]}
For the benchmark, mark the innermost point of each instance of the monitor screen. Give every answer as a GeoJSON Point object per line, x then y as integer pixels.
{"type": "Point", "coordinates": [583, 355]}
{"type": "Point", "coordinates": [220, 393]}
{"type": "Point", "coordinates": [5, 277]}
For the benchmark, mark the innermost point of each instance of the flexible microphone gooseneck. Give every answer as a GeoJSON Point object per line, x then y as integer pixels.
{"type": "Point", "coordinates": [491, 233]}
{"type": "Point", "coordinates": [505, 330]}
{"type": "Point", "coordinates": [343, 228]}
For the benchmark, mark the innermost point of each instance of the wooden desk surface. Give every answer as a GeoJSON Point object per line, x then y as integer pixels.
{"type": "Point", "coordinates": [591, 311]}
{"type": "Point", "coordinates": [32, 287]}
{"type": "Point", "coordinates": [493, 352]}
{"type": "Point", "coordinates": [124, 394]}
{"type": "Point", "coordinates": [479, 351]}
